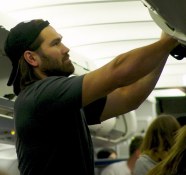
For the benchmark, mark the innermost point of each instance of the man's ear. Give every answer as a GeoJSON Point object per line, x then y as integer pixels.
{"type": "Point", "coordinates": [137, 152]}
{"type": "Point", "coordinates": [30, 58]}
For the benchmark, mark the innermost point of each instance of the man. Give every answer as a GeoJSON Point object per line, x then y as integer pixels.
{"type": "Point", "coordinates": [125, 167]}
{"type": "Point", "coordinates": [107, 153]}
{"type": "Point", "coordinates": [48, 99]}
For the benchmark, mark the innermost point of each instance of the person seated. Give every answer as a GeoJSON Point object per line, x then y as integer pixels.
{"type": "Point", "coordinates": [107, 153]}
{"type": "Point", "coordinates": [174, 163]}
{"type": "Point", "coordinates": [125, 167]}
{"type": "Point", "coordinates": [158, 139]}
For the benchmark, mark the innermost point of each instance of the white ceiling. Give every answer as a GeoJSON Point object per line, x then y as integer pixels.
{"type": "Point", "coordinates": [95, 31]}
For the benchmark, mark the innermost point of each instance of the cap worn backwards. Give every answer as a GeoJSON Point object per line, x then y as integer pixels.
{"type": "Point", "coordinates": [18, 41]}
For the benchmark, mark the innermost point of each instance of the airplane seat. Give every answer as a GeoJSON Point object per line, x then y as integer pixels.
{"type": "Point", "coordinates": [114, 130]}
{"type": "Point", "coordinates": [13, 168]}
{"type": "Point", "coordinates": [8, 159]}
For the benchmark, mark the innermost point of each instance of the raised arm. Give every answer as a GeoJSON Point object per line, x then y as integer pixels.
{"type": "Point", "coordinates": [129, 78]}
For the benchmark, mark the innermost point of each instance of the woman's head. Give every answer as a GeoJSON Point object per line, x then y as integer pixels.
{"type": "Point", "coordinates": [174, 163]}
{"type": "Point", "coordinates": [160, 135]}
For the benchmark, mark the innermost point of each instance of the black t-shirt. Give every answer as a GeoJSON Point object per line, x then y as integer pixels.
{"type": "Point", "coordinates": [52, 134]}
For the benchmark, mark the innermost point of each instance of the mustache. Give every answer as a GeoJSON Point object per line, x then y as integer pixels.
{"type": "Point", "coordinates": [66, 56]}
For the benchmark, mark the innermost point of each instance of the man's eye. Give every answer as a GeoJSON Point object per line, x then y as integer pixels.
{"type": "Point", "coordinates": [56, 43]}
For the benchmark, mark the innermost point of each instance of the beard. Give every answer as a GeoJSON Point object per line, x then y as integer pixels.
{"type": "Point", "coordinates": [56, 67]}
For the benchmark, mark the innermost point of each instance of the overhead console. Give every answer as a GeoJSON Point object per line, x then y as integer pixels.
{"type": "Point", "coordinates": [6, 121]}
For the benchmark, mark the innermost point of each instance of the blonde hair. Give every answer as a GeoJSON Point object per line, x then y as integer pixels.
{"type": "Point", "coordinates": [174, 163]}
{"type": "Point", "coordinates": [159, 136]}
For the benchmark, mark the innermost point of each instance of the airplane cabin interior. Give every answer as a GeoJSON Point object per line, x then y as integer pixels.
{"type": "Point", "coordinates": [96, 31]}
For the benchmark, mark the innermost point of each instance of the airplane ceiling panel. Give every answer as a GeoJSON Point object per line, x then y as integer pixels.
{"type": "Point", "coordinates": [108, 50]}
{"type": "Point", "coordinates": [84, 13]}
{"type": "Point", "coordinates": [111, 32]}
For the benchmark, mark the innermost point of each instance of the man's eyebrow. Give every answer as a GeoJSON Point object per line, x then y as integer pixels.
{"type": "Point", "coordinates": [56, 40]}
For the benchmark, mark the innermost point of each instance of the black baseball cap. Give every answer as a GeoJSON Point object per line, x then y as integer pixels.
{"type": "Point", "coordinates": [18, 41]}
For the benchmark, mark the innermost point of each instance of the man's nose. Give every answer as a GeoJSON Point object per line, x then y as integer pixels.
{"type": "Point", "coordinates": [64, 48]}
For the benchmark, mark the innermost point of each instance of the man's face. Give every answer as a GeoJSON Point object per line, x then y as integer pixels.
{"type": "Point", "coordinates": [54, 55]}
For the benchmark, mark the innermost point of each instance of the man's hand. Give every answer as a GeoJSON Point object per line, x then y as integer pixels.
{"type": "Point", "coordinates": [179, 52]}
{"type": "Point", "coordinates": [166, 36]}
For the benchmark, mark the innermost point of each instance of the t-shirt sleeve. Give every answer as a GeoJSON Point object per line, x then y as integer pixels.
{"type": "Point", "coordinates": [93, 111]}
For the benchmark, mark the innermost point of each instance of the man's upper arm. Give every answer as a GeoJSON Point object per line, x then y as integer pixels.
{"type": "Point", "coordinates": [96, 84]}
{"type": "Point", "coordinates": [118, 101]}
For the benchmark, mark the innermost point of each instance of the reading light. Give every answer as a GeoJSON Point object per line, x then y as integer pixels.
{"type": "Point", "coordinates": [12, 132]}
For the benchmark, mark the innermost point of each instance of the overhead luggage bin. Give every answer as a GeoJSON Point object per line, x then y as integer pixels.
{"type": "Point", "coordinates": [170, 16]}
